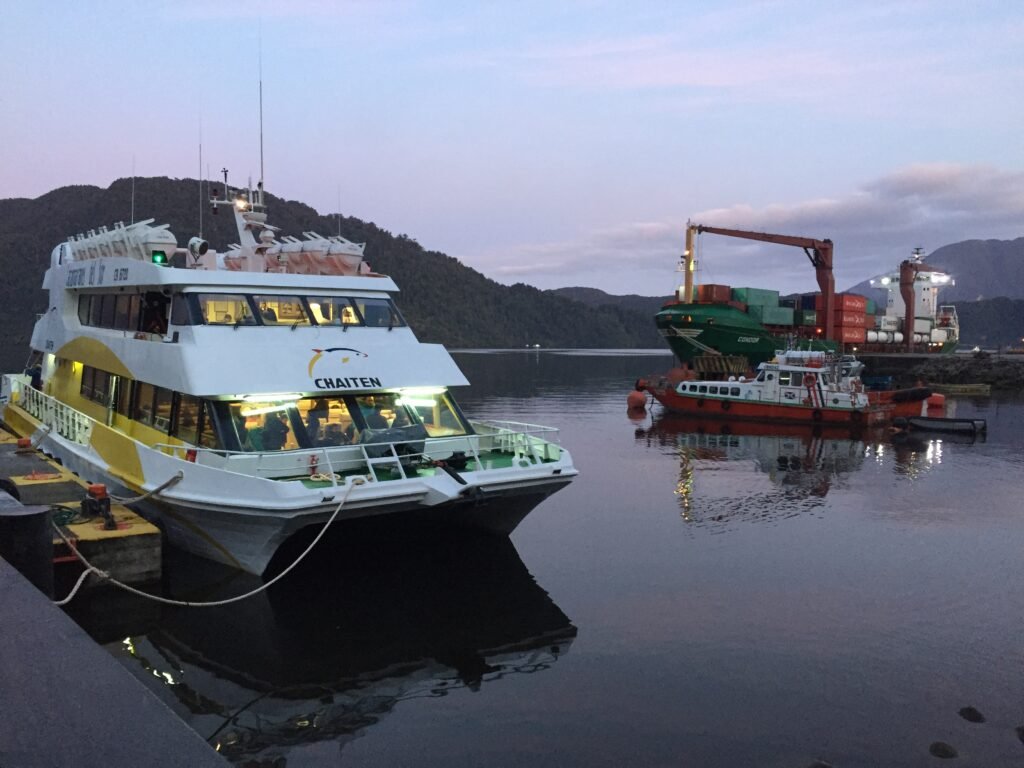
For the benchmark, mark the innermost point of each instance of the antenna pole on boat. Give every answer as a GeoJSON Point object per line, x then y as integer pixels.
{"type": "Point", "coordinates": [261, 113]}
{"type": "Point", "coordinates": [133, 189]}
{"type": "Point", "coordinates": [200, 177]}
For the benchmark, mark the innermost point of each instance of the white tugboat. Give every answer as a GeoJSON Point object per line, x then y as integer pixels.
{"type": "Point", "coordinates": [250, 394]}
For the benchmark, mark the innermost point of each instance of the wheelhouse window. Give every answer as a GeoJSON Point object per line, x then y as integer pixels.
{"type": "Point", "coordinates": [142, 409]}
{"type": "Point", "coordinates": [379, 313]}
{"type": "Point", "coordinates": [225, 309]}
{"type": "Point", "coordinates": [333, 310]}
{"type": "Point", "coordinates": [437, 412]}
{"type": "Point", "coordinates": [281, 310]}
{"type": "Point", "coordinates": [327, 420]}
{"type": "Point", "coordinates": [265, 425]}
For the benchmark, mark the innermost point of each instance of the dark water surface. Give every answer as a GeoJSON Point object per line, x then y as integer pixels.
{"type": "Point", "coordinates": [693, 599]}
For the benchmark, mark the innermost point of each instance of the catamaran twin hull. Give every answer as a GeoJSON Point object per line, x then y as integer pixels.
{"type": "Point", "coordinates": [235, 516]}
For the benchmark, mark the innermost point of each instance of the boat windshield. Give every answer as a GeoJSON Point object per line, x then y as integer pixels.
{"type": "Point", "coordinates": [329, 420]}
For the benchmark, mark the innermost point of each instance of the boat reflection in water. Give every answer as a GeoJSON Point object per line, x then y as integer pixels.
{"type": "Point", "coordinates": [744, 471]}
{"type": "Point", "coordinates": [339, 642]}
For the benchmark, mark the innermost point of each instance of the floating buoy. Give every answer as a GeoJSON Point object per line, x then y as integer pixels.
{"type": "Point", "coordinates": [636, 400]}
{"type": "Point", "coordinates": [936, 403]}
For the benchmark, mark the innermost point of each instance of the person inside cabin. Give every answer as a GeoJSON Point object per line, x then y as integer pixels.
{"type": "Point", "coordinates": [318, 412]}
{"type": "Point", "coordinates": [375, 419]}
{"type": "Point", "coordinates": [268, 314]}
{"type": "Point", "coordinates": [275, 431]}
{"type": "Point", "coordinates": [227, 318]}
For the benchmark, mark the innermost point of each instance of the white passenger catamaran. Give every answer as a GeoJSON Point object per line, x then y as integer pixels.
{"type": "Point", "coordinates": [250, 394]}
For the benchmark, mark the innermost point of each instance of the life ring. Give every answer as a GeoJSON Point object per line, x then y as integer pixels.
{"type": "Point", "coordinates": [700, 403]}
{"type": "Point", "coordinates": [816, 415]}
{"type": "Point", "coordinates": [726, 405]}
{"type": "Point", "coordinates": [314, 461]}
{"type": "Point", "coordinates": [809, 380]}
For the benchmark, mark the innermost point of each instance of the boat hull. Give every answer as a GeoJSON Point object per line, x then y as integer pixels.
{"type": "Point", "coordinates": [740, 410]}
{"type": "Point", "coordinates": [243, 521]}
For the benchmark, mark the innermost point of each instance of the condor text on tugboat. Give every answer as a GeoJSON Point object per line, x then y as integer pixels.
{"type": "Point", "coordinates": [250, 394]}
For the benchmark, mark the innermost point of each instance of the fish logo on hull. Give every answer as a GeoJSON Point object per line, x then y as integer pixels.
{"type": "Point", "coordinates": [318, 353]}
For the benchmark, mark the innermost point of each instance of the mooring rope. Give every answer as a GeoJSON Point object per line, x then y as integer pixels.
{"type": "Point", "coordinates": [90, 568]}
{"type": "Point", "coordinates": [135, 499]}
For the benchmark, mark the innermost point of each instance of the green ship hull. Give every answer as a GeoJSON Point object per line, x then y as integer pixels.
{"type": "Point", "coordinates": [692, 330]}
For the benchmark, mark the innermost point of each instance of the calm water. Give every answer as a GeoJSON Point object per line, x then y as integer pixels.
{"type": "Point", "coordinates": [692, 599]}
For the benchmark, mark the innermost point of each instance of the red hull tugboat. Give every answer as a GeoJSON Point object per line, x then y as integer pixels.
{"type": "Point", "coordinates": [796, 386]}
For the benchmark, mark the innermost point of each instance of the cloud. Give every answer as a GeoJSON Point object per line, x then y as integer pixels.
{"type": "Point", "coordinates": [873, 227]}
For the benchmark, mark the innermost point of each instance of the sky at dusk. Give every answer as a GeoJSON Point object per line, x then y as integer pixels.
{"type": "Point", "coordinates": [554, 144]}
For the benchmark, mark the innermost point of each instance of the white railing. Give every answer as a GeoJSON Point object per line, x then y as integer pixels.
{"type": "Point", "coordinates": [335, 461]}
{"type": "Point", "coordinates": [60, 418]}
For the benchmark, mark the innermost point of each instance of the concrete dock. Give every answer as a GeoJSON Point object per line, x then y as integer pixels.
{"type": "Point", "coordinates": [68, 702]}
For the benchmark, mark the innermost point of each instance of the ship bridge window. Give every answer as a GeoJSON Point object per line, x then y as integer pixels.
{"type": "Point", "coordinates": [225, 309]}
{"type": "Point", "coordinates": [379, 313]}
{"type": "Point", "coordinates": [326, 420]}
{"type": "Point", "coordinates": [333, 310]}
{"type": "Point", "coordinates": [266, 425]}
{"type": "Point", "coordinates": [437, 412]}
{"type": "Point", "coordinates": [784, 378]}
{"type": "Point", "coordinates": [281, 310]}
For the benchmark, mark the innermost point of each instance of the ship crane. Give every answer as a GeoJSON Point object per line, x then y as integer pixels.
{"type": "Point", "coordinates": [818, 251]}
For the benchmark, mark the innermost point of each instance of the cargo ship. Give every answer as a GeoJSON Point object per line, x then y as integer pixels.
{"type": "Point", "coordinates": [712, 320]}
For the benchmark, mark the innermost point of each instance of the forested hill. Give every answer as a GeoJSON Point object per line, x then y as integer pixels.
{"type": "Point", "coordinates": [443, 300]}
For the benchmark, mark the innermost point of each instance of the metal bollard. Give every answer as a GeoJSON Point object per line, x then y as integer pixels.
{"type": "Point", "coordinates": [26, 541]}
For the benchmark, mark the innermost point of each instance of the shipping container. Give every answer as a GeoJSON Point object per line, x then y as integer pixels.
{"type": "Point", "coordinates": [850, 319]}
{"type": "Point", "coordinates": [771, 315]}
{"type": "Point", "coordinates": [756, 297]}
{"type": "Point", "coordinates": [710, 293]}
{"type": "Point", "coordinates": [849, 335]}
{"type": "Point", "coordinates": [809, 301]}
{"type": "Point", "coordinates": [923, 325]}
{"type": "Point", "coordinates": [847, 302]}
{"type": "Point", "coordinates": [872, 308]}
{"type": "Point", "coordinates": [806, 317]}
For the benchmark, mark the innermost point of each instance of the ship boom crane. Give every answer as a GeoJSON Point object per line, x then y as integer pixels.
{"type": "Point", "coordinates": [818, 251]}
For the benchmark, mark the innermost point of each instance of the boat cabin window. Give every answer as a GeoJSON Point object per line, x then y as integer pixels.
{"type": "Point", "coordinates": [208, 437]}
{"type": "Point", "coordinates": [438, 414]}
{"type": "Point", "coordinates": [379, 313]}
{"type": "Point", "coordinates": [760, 376]}
{"type": "Point", "coordinates": [186, 421]}
{"type": "Point", "coordinates": [225, 309]}
{"type": "Point", "coordinates": [281, 310]}
{"type": "Point", "coordinates": [265, 425]}
{"type": "Point", "coordinates": [713, 390]}
{"type": "Point", "coordinates": [693, 387]}
{"type": "Point", "coordinates": [96, 385]}
{"type": "Point", "coordinates": [327, 421]}
{"type": "Point", "coordinates": [734, 391]}
{"type": "Point", "coordinates": [332, 310]}
{"type": "Point", "coordinates": [784, 378]}
{"type": "Point", "coordinates": [142, 411]}
{"type": "Point", "coordinates": [703, 388]}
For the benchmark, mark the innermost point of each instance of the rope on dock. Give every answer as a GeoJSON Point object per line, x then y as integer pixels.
{"type": "Point", "coordinates": [90, 568]}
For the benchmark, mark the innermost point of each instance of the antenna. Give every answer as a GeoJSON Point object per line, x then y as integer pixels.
{"type": "Point", "coordinates": [200, 177]}
{"type": "Point", "coordinates": [261, 110]}
{"type": "Point", "coordinates": [133, 189]}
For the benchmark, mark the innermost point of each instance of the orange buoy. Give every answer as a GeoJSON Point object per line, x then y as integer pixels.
{"type": "Point", "coordinates": [636, 400]}
{"type": "Point", "coordinates": [24, 442]}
